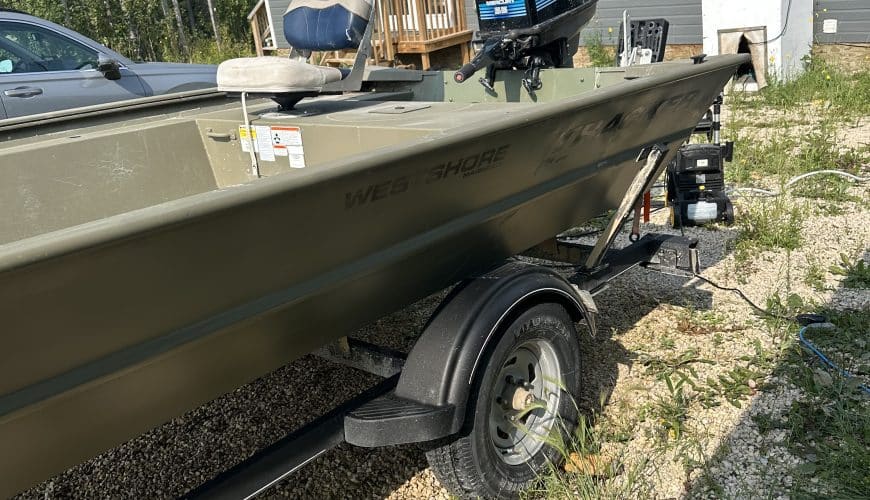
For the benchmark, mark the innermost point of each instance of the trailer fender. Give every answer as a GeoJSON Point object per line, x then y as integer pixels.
{"type": "Point", "coordinates": [442, 366]}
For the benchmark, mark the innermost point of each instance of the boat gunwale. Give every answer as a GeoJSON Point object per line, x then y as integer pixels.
{"type": "Point", "coordinates": [110, 230]}
{"type": "Point", "coordinates": [53, 117]}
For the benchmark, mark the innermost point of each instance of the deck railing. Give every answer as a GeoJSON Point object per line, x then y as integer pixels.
{"type": "Point", "coordinates": [402, 27]}
{"type": "Point", "coordinates": [420, 27]}
{"type": "Point", "coordinates": [261, 28]}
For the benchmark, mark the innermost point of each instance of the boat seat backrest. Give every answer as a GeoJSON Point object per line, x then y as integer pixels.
{"type": "Point", "coordinates": [309, 25]}
{"type": "Point", "coordinates": [325, 25]}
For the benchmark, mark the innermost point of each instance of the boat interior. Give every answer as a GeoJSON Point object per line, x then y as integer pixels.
{"type": "Point", "coordinates": [56, 174]}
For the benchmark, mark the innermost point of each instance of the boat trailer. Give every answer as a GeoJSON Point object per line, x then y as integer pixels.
{"type": "Point", "coordinates": [428, 395]}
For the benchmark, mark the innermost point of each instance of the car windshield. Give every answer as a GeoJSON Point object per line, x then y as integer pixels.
{"type": "Point", "coordinates": [32, 49]}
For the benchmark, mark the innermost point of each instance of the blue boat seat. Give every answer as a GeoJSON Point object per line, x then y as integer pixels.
{"type": "Point", "coordinates": [309, 25]}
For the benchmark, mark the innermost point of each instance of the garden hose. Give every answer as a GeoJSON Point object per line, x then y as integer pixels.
{"type": "Point", "coordinates": [796, 179]}
{"type": "Point", "coordinates": [809, 345]}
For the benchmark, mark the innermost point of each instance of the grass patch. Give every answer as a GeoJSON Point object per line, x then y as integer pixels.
{"type": "Point", "coordinates": [769, 224]}
{"type": "Point", "coordinates": [822, 98]}
{"type": "Point", "coordinates": [830, 426]}
{"type": "Point", "coordinates": [782, 157]}
{"type": "Point", "coordinates": [857, 273]}
{"type": "Point", "coordinates": [815, 276]}
{"type": "Point", "coordinates": [589, 474]}
{"type": "Point", "coordinates": [847, 95]}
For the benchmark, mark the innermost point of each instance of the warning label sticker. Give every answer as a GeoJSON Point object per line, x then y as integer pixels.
{"type": "Point", "coordinates": [287, 141]}
{"type": "Point", "coordinates": [270, 142]}
{"type": "Point", "coordinates": [264, 143]}
{"type": "Point", "coordinates": [245, 140]}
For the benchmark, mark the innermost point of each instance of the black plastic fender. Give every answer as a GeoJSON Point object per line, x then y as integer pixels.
{"type": "Point", "coordinates": [442, 366]}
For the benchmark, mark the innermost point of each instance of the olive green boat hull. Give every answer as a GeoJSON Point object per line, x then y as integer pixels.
{"type": "Point", "coordinates": [144, 270]}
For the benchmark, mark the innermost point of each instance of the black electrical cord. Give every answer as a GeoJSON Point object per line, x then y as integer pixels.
{"type": "Point", "coordinates": [743, 296]}
{"type": "Point", "coordinates": [784, 27]}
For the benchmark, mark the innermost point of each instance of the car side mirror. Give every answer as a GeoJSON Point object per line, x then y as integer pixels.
{"type": "Point", "coordinates": [110, 68]}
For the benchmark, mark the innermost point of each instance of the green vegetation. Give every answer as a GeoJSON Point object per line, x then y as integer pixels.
{"type": "Point", "coordinates": [857, 272]}
{"type": "Point", "coordinates": [768, 156]}
{"type": "Point", "coordinates": [844, 94]}
{"type": "Point", "coordinates": [588, 471]}
{"type": "Point", "coordinates": [599, 54]}
{"type": "Point", "coordinates": [782, 156]}
{"type": "Point", "coordinates": [770, 224]}
{"type": "Point", "coordinates": [830, 425]}
{"type": "Point", "coordinates": [815, 276]}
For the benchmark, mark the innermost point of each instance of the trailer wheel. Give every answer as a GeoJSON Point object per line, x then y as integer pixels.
{"type": "Point", "coordinates": [523, 399]}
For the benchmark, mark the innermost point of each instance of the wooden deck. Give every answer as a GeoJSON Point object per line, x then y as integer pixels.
{"type": "Point", "coordinates": [419, 27]}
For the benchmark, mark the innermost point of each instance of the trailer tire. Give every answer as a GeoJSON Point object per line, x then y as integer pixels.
{"type": "Point", "coordinates": [488, 459]}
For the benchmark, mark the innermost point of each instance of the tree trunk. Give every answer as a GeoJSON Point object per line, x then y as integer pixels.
{"type": "Point", "coordinates": [182, 39]}
{"type": "Point", "coordinates": [110, 18]}
{"type": "Point", "coordinates": [214, 25]}
{"type": "Point", "coordinates": [190, 17]}
{"type": "Point", "coordinates": [132, 30]}
{"type": "Point", "coordinates": [66, 18]}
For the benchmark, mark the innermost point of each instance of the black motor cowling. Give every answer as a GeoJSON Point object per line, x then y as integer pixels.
{"type": "Point", "coordinates": [527, 34]}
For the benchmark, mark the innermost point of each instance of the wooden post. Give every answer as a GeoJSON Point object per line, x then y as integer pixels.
{"type": "Point", "coordinates": [421, 24]}
{"type": "Point", "coordinates": [462, 25]}
{"type": "Point", "coordinates": [387, 35]}
{"type": "Point", "coordinates": [400, 19]}
{"type": "Point", "coordinates": [466, 55]}
{"type": "Point", "coordinates": [255, 28]}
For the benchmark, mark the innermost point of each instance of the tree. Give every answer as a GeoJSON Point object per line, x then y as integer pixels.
{"type": "Point", "coordinates": [66, 17]}
{"type": "Point", "coordinates": [190, 17]}
{"type": "Point", "coordinates": [214, 25]}
{"type": "Point", "coordinates": [182, 39]}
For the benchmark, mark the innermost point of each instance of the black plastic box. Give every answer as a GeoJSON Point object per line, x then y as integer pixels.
{"type": "Point", "coordinates": [647, 34]}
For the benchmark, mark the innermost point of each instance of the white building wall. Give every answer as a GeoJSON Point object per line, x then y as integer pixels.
{"type": "Point", "coordinates": [784, 53]}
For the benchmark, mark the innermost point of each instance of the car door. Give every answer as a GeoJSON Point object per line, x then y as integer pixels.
{"type": "Point", "coordinates": [42, 70]}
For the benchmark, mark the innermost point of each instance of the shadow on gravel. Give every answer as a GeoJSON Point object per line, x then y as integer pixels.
{"type": "Point", "coordinates": [621, 307]}
{"type": "Point", "coordinates": [804, 434]}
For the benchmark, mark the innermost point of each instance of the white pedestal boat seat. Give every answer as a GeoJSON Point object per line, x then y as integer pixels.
{"type": "Point", "coordinates": [309, 25]}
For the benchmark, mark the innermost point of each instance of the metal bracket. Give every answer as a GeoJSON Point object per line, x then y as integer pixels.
{"type": "Point", "coordinates": [363, 356]}
{"type": "Point", "coordinates": [654, 156]}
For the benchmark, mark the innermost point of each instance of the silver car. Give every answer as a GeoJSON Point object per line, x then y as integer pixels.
{"type": "Point", "coordinates": [46, 67]}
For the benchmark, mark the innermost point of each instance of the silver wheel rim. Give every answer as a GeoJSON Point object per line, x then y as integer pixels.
{"type": "Point", "coordinates": [524, 402]}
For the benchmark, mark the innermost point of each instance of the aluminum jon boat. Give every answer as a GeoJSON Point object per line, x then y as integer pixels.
{"type": "Point", "coordinates": [147, 265]}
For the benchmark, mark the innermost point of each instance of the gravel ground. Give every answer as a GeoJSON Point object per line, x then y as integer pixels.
{"type": "Point", "coordinates": [638, 312]}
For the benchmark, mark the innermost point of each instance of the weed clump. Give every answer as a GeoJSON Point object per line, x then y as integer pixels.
{"type": "Point", "coordinates": [770, 225]}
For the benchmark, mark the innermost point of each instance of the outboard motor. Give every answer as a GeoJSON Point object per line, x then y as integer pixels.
{"type": "Point", "coordinates": [527, 34]}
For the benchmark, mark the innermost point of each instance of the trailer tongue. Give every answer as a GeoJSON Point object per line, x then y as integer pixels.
{"type": "Point", "coordinates": [157, 256]}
